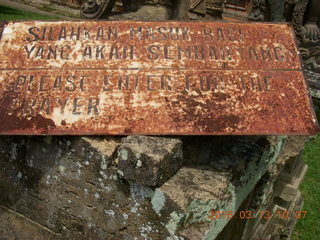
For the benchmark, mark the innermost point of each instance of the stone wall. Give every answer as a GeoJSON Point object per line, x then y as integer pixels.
{"type": "Point", "coordinates": [144, 187]}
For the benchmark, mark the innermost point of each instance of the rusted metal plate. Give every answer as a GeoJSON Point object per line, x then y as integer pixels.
{"type": "Point", "coordinates": [201, 78]}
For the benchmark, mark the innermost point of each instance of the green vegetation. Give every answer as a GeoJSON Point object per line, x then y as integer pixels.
{"type": "Point", "coordinates": [309, 227]}
{"type": "Point", "coordinates": [8, 13]}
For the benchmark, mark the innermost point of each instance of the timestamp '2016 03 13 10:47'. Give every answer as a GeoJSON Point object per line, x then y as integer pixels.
{"type": "Point", "coordinates": [215, 215]}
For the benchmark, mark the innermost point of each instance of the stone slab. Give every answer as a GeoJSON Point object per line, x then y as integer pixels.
{"type": "Point", "coordinates": [17, 226]}
{"type": "Point", "coordinates": [149, 161]}
{"type": "Point", "coordinates": [172, 78]}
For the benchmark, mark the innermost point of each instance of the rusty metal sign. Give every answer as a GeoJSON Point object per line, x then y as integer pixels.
{"type": "Point", "coordinates": [173, 78]}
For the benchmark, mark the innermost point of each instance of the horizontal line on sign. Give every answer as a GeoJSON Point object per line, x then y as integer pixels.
{"type": "Point", "coordinates": [150, 69]}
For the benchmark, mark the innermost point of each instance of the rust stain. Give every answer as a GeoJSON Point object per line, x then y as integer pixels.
{"type": "Point", "coordinates": [173, 78]}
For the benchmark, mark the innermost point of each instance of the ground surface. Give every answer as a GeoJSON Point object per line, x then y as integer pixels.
{"type": "Point", "coordinates": [16, 11]}
{"type": "Point", "coordinates": [308, 228]}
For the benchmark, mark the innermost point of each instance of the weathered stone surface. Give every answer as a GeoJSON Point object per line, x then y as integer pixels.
{"type": "Point", "coordinates": [146, 13]}
{"type": "Point", "coordinates": [195, 190]}
{"type": "Point", "coordinates": [71, 3]}
{"type": "Point", "coordinates": [277, 191]}
{"type": "Point", "coordinates": [69, 186]}
{"type": "Point", "coordinates": [198, 182]}
{"type": "Point", "coordinates": [16, 226]}
{"type": "Point", "coordinates": [150, 161]}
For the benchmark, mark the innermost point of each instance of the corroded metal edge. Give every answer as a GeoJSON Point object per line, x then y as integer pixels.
{"type": "Point", "coordinates": [157, 134]}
